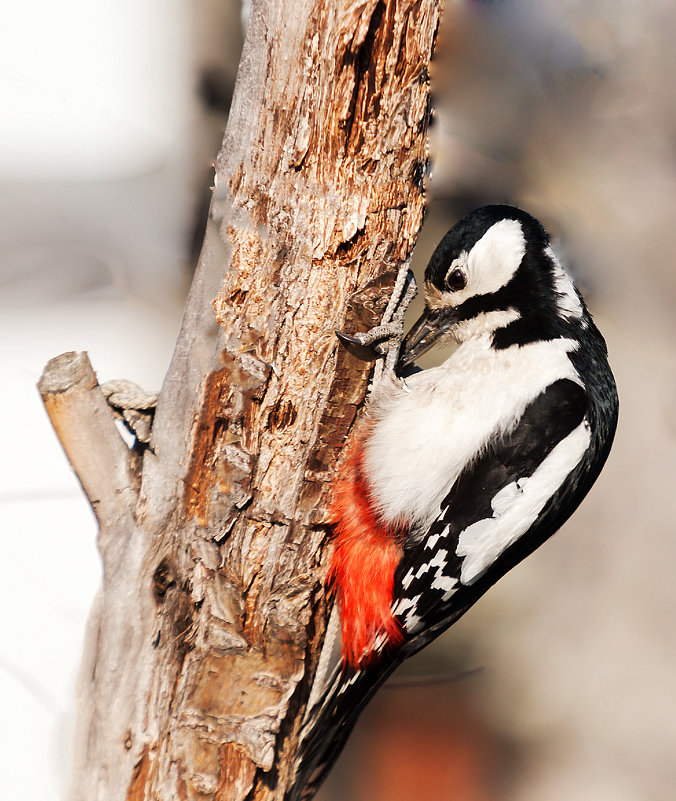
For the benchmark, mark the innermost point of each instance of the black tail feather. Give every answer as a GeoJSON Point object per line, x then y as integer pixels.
{"type": "Point", "coordinates": [330, 723]}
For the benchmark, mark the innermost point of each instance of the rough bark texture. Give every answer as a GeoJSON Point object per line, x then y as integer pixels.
{"type": "Point", "coordinates": [204, 638]}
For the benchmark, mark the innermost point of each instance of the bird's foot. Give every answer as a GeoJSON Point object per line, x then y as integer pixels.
{"type": "Point", "coordinates": [385, 339]}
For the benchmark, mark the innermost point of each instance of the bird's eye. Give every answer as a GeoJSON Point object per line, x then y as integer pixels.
{"type": "Point", "coordinates": [456, 280]}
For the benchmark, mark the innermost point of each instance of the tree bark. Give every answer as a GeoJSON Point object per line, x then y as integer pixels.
{"type": "Point", "coordinates": [204, 639]}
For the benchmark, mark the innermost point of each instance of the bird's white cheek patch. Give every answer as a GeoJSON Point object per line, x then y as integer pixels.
{"type": "Point", "coordinates": [484, 323]}
{"type": "Point", "coordinates": [516, 506]}
{"type": "Point", "coordinates": [495, 258]}
{"type": "Point", "coordinates": [489, 265]}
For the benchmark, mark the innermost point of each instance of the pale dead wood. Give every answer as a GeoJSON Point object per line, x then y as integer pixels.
{"type": "Point", "coordinates": [200, 655]}
{"type": "Point", "coordinates": [85, 427]}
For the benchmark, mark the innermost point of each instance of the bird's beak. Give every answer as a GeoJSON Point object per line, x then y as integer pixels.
{"type": "Point", "coordinates": [427, 331]}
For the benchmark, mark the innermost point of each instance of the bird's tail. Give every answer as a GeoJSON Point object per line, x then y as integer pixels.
{"type": "Point", "coordinates": [329, 723]}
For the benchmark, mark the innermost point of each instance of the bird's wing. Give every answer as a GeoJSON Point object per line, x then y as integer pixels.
{"type": "Point", "coordinates": [514, 495]}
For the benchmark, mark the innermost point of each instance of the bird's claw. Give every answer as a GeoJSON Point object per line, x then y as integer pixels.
{"type": "Point", "coordinates": [375, 339]}
{"type": "Point", "coordinates": [349, 339]}
{"type": "Point", "coordinates": [385, 339]}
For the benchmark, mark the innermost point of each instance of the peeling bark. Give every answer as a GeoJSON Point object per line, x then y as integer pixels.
{"type": "Point", "coordinates": [204, 639]}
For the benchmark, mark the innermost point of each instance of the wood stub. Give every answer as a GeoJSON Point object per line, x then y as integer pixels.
{"type": "Point", "coordinates": [86, 429]}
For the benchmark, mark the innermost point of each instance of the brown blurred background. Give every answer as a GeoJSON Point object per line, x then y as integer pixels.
{"type": "Point", "coordinates": [560, 684]}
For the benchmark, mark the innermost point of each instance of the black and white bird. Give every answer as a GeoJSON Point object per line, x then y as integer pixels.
{"type": "Point", "coordinates": [460, 471]}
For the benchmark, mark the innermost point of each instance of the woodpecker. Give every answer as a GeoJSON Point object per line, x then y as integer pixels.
{"type": "Point", "coordinates": [458, 472]}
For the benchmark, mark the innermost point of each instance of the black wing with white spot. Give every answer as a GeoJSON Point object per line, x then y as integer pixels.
{"type": "Point", "coordinates": [496, 513]}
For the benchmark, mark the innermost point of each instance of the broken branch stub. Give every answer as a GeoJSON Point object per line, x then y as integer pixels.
{"type": "Point", "coordinates": [86, 429]}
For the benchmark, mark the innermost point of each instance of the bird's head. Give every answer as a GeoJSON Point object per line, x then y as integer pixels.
{"type": "Point", "coordinates": [493, 274]}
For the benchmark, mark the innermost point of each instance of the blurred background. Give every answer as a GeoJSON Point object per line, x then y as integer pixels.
{"type": "Point", "coordinates": [561, 682]}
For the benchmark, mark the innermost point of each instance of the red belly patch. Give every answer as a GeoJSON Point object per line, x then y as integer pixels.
{"type": "Point", "coordinates": [363, 564]}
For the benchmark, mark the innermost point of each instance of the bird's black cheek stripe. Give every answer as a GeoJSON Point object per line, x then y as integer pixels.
{"type": "Point", "coordinates": [510, 296]}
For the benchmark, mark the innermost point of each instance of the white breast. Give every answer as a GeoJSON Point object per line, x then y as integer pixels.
{"type": "Point", "coordinates": [426, 432]}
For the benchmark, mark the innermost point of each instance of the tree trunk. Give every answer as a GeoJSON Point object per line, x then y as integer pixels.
{"type": "Point", "coordinates": [204, 639]}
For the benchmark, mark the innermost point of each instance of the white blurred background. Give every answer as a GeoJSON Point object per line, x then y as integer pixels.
{"type": "Point", "coordinates": [110, 115]}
